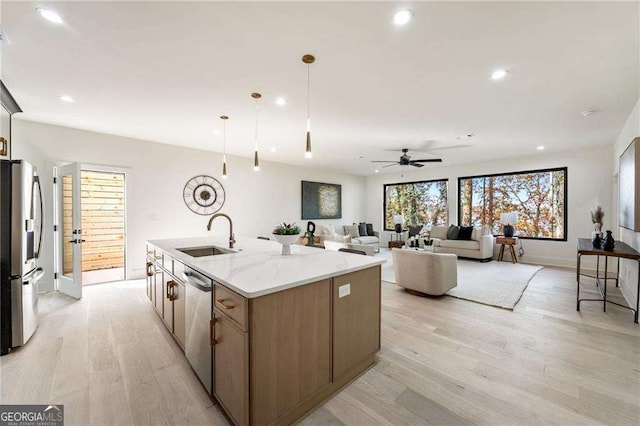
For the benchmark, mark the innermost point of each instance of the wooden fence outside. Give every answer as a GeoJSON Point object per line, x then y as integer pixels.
{"type": "Point", "coordinates": [103, 221]}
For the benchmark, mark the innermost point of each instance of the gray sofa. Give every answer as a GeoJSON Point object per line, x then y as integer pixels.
{"type": "Point", "coordinates": [328, 233]}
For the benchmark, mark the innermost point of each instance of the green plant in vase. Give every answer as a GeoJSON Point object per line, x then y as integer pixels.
{"type": "Point", "coordinates": [287, 229]}
{"type": "Point", "coordinates": [286, 234]}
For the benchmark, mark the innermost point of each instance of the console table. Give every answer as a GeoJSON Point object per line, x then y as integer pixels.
{"type": "Point", "coordinates": [621, 251]}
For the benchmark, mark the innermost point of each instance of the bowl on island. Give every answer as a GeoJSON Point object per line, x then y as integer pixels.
{"type": "Point", "coordinates": [286, 241]}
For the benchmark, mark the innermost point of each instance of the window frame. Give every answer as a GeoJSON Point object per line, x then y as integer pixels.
{"type": "Point", "coordinates": [524, 172]}
{"type": "Point", "coordinates": [384, 197]}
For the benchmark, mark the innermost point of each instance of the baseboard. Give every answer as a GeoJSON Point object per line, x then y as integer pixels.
{"type": "Point", "coordinates": [587, 262]}
{"type": "Point", "coordinates": [628, 293]}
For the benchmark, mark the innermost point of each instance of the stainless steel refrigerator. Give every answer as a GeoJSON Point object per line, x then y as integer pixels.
{"type": "Point", "coordinates": [21, 212]}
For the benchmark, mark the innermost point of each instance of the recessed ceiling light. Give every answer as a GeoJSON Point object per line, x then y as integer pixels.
{"type": "Point", "coordinates": [499, 74]}
{"type": "Point", "coordinates": [587, 113]}
{"type": "Point", "coordinates": [402, 17]}
{"type": "Point", "coordinates": [50, 15]}
{"type": "Point", "coordinates": [217, 132]}
{"type": "Point", "coordinates": [540, 148]}
{"type": "Point", "coordinates": [376, 170]}
{"type": "Point", "coordinates": [281, 101]}
{"type": "Point", "coordinates": [66, 98]}
{"type": "Point", "coordinates": [273, 149]}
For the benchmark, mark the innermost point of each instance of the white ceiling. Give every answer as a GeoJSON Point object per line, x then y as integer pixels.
{"type": "Point", "coordinates": [165, 71]}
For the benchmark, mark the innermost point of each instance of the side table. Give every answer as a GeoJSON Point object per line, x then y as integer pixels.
{"type": "Point", "coordinates": [511, 243]}
{"type": "Point", "coordinates": [396, 244]}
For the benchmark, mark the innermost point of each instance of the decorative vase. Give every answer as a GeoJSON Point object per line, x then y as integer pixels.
{"type": "Point", "coordinates": [508, 231]}
{"type": "Point", "coordinates": [597, 228]}
{"type": "Point", "coordinates": [595, 240]}
{"type": "Point", "coordinates": [286, 241]}
{"type": "Point", "coordinates": [608, 242]}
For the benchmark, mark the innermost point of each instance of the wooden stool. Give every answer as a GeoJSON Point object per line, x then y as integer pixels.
{"type": "Point", "coordinates": [511, 242]}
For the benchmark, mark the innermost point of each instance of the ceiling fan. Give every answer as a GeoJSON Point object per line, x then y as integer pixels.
{"type": "Point", "coordinates": [405, 160]}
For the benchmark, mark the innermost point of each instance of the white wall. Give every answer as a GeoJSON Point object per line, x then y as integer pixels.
{"type": "Point", "coordinates": [628, 269]}
{"type": "Point", "coordinates": [589, 185]}
{"type": "Point", "coordinates": [156, 175]}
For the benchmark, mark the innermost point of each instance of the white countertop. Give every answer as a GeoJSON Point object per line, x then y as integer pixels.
{"type": "Point", "coordinates": [257, 268]}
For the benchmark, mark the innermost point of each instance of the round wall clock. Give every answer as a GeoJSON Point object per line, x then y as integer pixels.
{"type": "Point", "coordinates": [203, 195]}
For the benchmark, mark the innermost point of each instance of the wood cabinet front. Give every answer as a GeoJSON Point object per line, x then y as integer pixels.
{"type": "Point", "coordinates": [167, 290]}
{"type": "Point", "coordinates": [356, 318]}
{"type": "Point", "coordinates": [179, 312]}
{"type": "Point", "coordinates": [232, 304]}
{"type": "Point", "coordinates": [231, 367]}
{"type": "Point", "coordinates": [290, 349]}
{"type": "Point", "coordinates": [157, 291]}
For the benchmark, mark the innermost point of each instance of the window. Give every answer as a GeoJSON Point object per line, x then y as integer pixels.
{"type": "Point", "coordinates": [420, 203]}
{"type": "Point", "coordinates": [537, 196]}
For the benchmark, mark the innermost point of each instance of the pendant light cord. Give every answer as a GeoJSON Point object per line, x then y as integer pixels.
{"type": "Point", "coordinates": [309, 96]}
{"type": "Point", "coordinates": [224, 137]}
{"type": "Point", "coordinates": [256, 134]}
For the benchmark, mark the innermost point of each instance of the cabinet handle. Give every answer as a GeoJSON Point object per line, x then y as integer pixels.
{"type": "Point", "coordinates": [170, 285]}
{"type": "Point", "coordinates": [225, 305]}
{"type": "Point", "coordinates": [173, 296]}
{"type": "Point", "coordinates": [149, 273]}
{"type": "Point", "coordinates": [212, 323]}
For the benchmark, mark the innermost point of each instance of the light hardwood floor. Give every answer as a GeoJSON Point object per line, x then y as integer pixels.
{"type": "Point", "coordinates": [109, 359]}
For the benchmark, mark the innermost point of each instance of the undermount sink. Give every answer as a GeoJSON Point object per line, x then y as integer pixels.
{"type": "Point", "coordinates": [204, 251]}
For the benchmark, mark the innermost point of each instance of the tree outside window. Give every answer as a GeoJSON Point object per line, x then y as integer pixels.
{"type": "Point", "coordinates": [420, 203]}
{"type": "Point", "coordinates": [537, 196]}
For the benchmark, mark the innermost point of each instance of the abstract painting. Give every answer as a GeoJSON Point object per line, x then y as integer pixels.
{"type": "Point", "coordinates": [321, 200]}
{"type": "Point", "coordinates": [629, 184]}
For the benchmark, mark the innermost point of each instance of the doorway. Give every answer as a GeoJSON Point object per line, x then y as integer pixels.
{"type": "Point", "coordinates": [92, 219]}
{"type": "Point", "coordinates": [102, 202]}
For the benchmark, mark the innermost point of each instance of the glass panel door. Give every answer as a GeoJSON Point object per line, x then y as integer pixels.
{"type": "Point", "coordinates": [69, 257]}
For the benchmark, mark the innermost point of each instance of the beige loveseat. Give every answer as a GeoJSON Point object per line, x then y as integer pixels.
{"type": "Point", "coordinates": [480, 246]}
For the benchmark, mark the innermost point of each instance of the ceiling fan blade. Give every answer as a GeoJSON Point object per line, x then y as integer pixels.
{"type": "Point", "coordinates": [429, 160]}
{"type": "Point", "coordinates": [416, 164]}
{"type": "Point", "coordinates": [383, 161]}
{"type": "Point", "coordinates": [390, 165]}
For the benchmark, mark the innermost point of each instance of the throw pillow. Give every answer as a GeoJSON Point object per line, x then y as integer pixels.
{"type": "Point", "coordinates": [370, 230]}
{"type": "Point", "coordinates": [362, 229]}
{"type": "Point", "coordinates": [452, 232]}
{"type": "Point", "coordinates": [465, 232]}
{"type": "Point", "coordinates": [351, 230]}
{"type": "Point", "coordinates": [439, 232]}
{"type": "Point", "coordinates": [343, 238]}
{"type": "Point", "coordinates": [476, 234]}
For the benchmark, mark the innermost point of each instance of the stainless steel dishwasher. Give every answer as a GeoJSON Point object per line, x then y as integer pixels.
{"type": "Point", "coordinates": [197, 347]}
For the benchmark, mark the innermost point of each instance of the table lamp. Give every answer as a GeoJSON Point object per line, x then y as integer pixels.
{"type": "Point", "coordinates": [398, 219]}
{"type": "Point", "coordinates": [508, 220]}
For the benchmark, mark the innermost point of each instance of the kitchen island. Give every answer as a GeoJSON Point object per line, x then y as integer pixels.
{"type": "Point", "coordinates": [270, 336]}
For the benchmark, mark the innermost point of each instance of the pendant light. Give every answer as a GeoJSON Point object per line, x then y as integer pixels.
{"type": "Point", "coordinates": [256, 162]}
{"type": "Point", "coordinates": [308, 59]}
{"type": "Point", "coordinates": [224, 119]}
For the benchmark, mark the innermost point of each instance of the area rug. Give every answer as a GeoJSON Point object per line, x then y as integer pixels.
{"type": "Point", "coordinates": [492, 283]}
